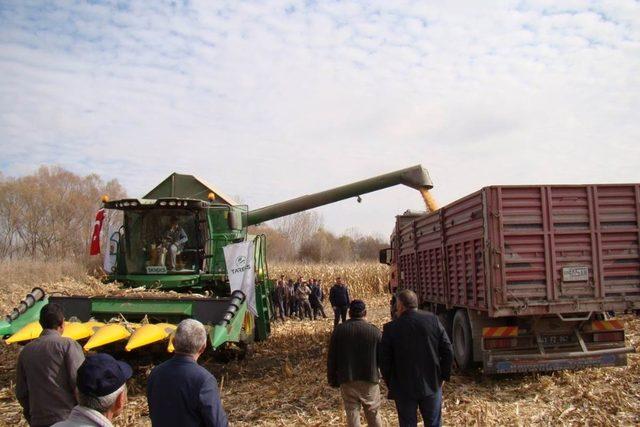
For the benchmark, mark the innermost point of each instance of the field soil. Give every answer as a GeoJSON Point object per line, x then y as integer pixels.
{"type": "Point", "coordinates": [283, 382]}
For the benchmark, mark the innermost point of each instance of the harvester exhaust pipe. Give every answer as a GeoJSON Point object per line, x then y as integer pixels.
{"type": "Point", "coordinates": [36, 294]}
{"type": "Point", "coordinates": [415, 177]}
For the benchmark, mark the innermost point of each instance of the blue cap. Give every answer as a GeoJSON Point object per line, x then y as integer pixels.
{"type": "Point", "coordinates": [100, 375]}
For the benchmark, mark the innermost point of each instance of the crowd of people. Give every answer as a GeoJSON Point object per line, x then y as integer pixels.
{"type": "Point", "coordinates": [305, 299]}
{"type": "Point", "coordinates": [58, 385]}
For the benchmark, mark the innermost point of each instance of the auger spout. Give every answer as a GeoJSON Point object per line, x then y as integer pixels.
{"type": "Point", "coordinates": [415, 177]}
{"type": "Point", "coordinates": [27, 311]}
{"type": "Point", "coordinates": [228, 329]}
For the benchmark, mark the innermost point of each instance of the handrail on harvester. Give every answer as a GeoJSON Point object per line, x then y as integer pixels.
{"type": "Point", "coordinates": [415, 177]}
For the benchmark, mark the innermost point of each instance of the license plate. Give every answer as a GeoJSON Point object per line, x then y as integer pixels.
{"type": "Point", "coordinates": [549, 340]}
{"type": "Point", "coordinates": [156, 269]}
{"type": "Point", "coordinates": [575, 274]}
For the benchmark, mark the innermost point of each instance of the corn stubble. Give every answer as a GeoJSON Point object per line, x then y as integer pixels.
{"type": "Point", "coordinates": [284, 382]}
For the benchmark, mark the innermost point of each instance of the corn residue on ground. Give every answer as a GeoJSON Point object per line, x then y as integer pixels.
{"type": "Point", "coordinates": [283, 382]}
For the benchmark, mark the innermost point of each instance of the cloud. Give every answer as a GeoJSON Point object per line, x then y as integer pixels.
{"type": "Point", "coordinates": [270, 100]}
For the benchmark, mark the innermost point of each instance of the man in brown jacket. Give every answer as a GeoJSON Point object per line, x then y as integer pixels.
{"type": "Point", "coordinates": [46, 371]}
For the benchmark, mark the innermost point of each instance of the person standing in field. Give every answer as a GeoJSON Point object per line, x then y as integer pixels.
{"type": "Point", "coordinates": [415, 360]}
{"type": "Point", "coordinates": [46, 371]}
{"type": "Point", "coordinates": [315, 299]}
{"type": "Point", "coordinates": [303, 294]}
{"type": "Point", "coordinates": [290, 299]}
{"type": "Point", "coordinates": [339, 299]}
{"type": "Point", "coordinates": [279, 298]}
{"type": "Point", "coordinates": [179, 391]}
{"type": "Point", "coordinates": [352, 365]}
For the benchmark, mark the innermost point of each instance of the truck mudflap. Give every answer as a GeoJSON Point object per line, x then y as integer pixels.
{"type": "Point", "coordinates": [521, 363]}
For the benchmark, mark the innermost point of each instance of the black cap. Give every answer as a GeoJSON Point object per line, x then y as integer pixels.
{"type": "Point", "coordinates": [100, 375]}
{"type": "Point", "coordinates": [357, 306]}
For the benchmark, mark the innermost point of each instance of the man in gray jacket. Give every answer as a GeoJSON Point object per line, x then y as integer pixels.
{"type": "Point", "coordinates": [46, 371]}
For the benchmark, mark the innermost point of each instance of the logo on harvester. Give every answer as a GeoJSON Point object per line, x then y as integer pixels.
{"type": "Point", "coordinates": [240, 264]}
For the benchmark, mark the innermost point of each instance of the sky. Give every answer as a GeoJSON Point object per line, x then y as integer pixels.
{"type": "Point", "coordinates": [269, 100]}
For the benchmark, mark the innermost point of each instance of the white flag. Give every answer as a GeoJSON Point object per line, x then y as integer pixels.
{"type": "Point", "coordinates": [241, 271]}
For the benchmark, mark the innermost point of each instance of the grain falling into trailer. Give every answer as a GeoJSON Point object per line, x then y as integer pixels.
{"type": "Point", "coordinates": [429, 201]}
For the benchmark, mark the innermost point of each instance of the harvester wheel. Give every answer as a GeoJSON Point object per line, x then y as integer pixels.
{"type": "Point", "coordinates": [462, 340]}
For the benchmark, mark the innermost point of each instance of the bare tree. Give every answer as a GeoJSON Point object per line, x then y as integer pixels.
{"type": "Point", "coordinates": [50, 213]}
{"type": "Point", "coordinates": [299, 227]}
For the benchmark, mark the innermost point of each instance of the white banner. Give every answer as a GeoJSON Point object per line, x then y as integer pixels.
{"type": "Point", "coordinates": [241, 271]}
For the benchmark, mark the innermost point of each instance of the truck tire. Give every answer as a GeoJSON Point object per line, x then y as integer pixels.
{"type": "Point", "coordinates": [462, 340]}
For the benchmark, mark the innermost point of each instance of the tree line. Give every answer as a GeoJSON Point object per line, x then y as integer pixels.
{"type": "Point", "coordinates": [50, 213]}
{"type": "Point", "coordinates": [302, 237]}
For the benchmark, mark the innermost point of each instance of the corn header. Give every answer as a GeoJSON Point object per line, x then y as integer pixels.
{"type": "Point", "coordinates": [190, 266]}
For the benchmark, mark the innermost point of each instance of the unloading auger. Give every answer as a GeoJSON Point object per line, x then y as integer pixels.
{"type": "Point", "coordinates": [194, 270]}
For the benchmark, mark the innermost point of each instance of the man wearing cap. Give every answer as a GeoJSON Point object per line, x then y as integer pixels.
{"type": "Point", "coordinates": [102, 392]}
{"type": "Point", "coordinates": [179, 391]}
{"type": "Point", "coordinates": [352, 365]}
{"type": "Point", "coordinates": [46, 371]}
{"type": "Point", "coordinates": [415, 359]}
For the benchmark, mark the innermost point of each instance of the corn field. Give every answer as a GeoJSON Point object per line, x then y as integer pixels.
{"type": "Point", "coordinates": [364, 279]}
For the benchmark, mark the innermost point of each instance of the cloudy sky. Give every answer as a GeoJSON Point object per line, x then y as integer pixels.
{"type": "Point", "coordinates": [271, 100]}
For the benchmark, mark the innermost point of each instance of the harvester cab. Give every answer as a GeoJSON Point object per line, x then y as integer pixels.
{"type": "Point", "coordinates": [175, 243]}
{"type": "Point", "coordinates": [172, 239]}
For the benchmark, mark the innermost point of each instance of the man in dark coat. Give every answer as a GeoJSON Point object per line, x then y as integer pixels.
{"type": "Point", "coordinates": [415, 359]}
{"type": "Point", "coordinates": [352, 365]}
{"type": "Point", "coordinates": [179, 391]}
{"type": "Point", "coordinates": [279, 298]}
{"type": "Point", "coordinates": [339, 299]}
{"type": "Point", "coordinates": [316, 299]}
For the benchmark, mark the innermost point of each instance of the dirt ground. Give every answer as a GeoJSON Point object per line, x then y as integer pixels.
{"type": "Point", "coordinates": [283, 383]}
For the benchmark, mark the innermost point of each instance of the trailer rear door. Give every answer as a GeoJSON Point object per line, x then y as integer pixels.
{"type": "Point", "coordinates": [561, 248]}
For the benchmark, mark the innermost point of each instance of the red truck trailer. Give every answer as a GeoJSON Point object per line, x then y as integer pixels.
{"type": "Point", "coordinates": [527, 278]}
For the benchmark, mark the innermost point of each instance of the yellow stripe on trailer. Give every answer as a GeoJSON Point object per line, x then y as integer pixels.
{"type": "Point", "coordinates": [607, 325]}
{"type": "Point", "coordinates": [500, 331]}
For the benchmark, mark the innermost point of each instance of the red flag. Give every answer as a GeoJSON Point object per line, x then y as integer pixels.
{"type": "Point", "coordinates": [95, 238]}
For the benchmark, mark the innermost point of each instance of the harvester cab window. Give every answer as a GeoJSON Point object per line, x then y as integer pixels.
{"type": "Point", "coordinates": [162, 241]}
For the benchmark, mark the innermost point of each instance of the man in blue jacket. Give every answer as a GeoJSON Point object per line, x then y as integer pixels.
{"type": "Point", "coordinates": [415, 359]}
{"type": "Point", "coordinates": [339, 299]}
{"type": "Point", "coordinates": [181, 392]}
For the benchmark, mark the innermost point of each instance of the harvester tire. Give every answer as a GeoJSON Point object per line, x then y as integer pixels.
{"type": "Point", "coordinates": [462, 340]}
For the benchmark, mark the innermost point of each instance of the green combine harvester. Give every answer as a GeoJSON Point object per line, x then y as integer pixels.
{"type": "Point", "coordinates": [196, 272]}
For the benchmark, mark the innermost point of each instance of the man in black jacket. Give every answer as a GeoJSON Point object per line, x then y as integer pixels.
{"type": "Point", "coordinates": [415, 359]}
{"type": "Point", "coordinates": [339, 299]}
{"type": "Point", "coordinates": [352, 366]}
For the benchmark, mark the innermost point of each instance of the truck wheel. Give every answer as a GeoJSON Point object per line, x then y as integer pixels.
{"type": "Point", "coordinates": [462, 340]}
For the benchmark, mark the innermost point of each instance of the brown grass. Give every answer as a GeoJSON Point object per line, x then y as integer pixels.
{"type": "Point", "coordinates": [284, 382]}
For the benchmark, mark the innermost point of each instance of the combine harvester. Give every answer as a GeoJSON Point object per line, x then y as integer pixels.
{"type": "Point", "coordinates": [198, 281]}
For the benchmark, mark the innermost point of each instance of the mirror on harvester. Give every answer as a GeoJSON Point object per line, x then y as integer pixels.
{"type": "Point", "coordinates": [235, 220]}
{"type": "Point", "coordinates": [386, 256]}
